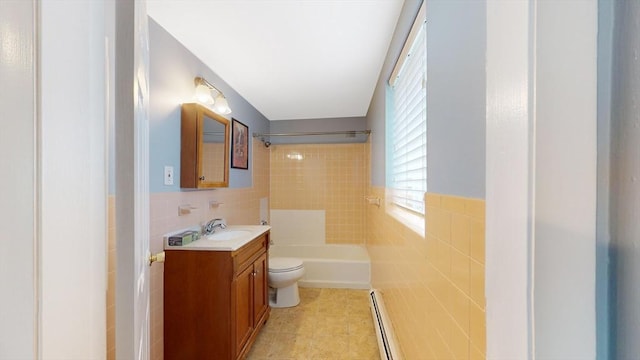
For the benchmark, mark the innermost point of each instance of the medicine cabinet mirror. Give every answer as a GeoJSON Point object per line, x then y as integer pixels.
{"type": "Point", "coordinates": [204, 154]}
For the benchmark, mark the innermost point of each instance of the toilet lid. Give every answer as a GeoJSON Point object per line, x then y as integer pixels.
{"type": "Point", "coordinates": [277, 264]}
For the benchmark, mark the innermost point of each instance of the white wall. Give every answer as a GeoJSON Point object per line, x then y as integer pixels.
{"type": "Point", "coordinates": [565, 161]}
{"type": "Point", "coordinates": [18, 161]}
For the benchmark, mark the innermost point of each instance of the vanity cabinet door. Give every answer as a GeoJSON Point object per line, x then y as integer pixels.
{"type": "Point", "coordinates": [243, 285]}
{"type": "Point", "coordinates": [260, 288]}
{"type": "Point", "coordinates": [252, 301]}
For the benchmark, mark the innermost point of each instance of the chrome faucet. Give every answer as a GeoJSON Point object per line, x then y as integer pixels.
{"type": "Point", "coordinates": [210, 227]}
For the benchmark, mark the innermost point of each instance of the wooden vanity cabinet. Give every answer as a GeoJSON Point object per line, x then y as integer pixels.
{"type": "Point", "coordinates": [215, 302]}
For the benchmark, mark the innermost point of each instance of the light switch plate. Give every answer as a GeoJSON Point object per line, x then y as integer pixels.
{"type": "Point", "coordinates": [168, 175]}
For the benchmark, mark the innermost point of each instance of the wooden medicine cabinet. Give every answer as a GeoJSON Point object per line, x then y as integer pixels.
{"type": "Point", "coordinates": [204, 153]}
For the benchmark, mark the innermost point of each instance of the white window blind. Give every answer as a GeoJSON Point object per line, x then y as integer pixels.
{"type": "Point", "coordinates": [409, 128]}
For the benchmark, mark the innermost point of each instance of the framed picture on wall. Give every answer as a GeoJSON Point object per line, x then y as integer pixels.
{"type": "Point", "coordinates": [239, 145]}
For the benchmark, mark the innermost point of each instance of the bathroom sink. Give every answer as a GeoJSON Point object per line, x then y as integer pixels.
{"type": "Point", "coordinates": [230, 239]}
{"type": "Point", "coordinates": [228, 235]}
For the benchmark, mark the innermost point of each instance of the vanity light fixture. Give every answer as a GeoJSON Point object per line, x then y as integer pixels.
{"type": "Point", "coordinates": [204, 96]}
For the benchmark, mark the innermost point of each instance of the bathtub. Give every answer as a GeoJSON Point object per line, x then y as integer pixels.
{"type": "Point", "coordinates": [329, 265]}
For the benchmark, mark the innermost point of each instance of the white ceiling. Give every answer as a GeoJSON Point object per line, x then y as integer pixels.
{"type": "Point", "coordinates": [291, 59]}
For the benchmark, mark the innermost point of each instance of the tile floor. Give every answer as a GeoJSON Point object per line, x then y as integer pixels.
{"type": "Point", "coordinates": [328, 324]}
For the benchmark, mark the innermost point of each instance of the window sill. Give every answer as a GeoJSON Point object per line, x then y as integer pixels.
{"type": "Point", "coordinates": [411, 220]}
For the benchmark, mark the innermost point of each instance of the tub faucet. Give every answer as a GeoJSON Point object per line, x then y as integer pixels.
{"type": "Point", "coordinates": [210, 227]}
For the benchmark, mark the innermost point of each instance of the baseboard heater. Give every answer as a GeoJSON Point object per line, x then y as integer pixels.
{"type": "Point", "coordinates": [384, 330]}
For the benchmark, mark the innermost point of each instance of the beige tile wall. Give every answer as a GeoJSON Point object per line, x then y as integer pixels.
{"type": "Point", "coordinates": [213, 153]}
{"type": "Point", "coordinates": [330, 177]}
{"type": "Point", "coordinates": [433, 287]}
{"type": "Point", "coordinates": [239, 206]}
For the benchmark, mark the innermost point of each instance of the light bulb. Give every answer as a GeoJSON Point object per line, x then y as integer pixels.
{"type": "Point", "coordinates": [221, 106]}
{"type": "Point", "coordinates": [203, 94]}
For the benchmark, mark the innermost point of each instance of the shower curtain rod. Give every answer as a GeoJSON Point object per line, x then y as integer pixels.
{"type": "Point", "coordinates": [347, 132]}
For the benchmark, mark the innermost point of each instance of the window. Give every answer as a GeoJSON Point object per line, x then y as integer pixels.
{"type": "Point", "coordinates": [407, 124]}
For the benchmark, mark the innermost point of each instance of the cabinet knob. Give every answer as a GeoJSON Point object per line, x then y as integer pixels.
{"type": "Point", "coordinates": [201, 178]}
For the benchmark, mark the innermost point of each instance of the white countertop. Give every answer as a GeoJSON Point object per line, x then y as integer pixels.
{"type": "Point", "coordinates": [206, 243]}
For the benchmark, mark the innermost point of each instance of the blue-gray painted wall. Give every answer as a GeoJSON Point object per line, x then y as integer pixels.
{"type": "Point", "coordinates": [377, 110]}
{"type": "Point", "coordinates": [624, 184]}
{"type": "Point", "coordinates": [172, 69]}
{"type": "Point", "coordinates": [604, 284]}
{"type": "Point", "coordinates": [456, 46]}
{"type": "Point", "coordinates": [456, 88]}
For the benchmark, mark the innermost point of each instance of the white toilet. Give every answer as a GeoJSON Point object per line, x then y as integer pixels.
{"type": "Point", "coordinates": [284, 274]}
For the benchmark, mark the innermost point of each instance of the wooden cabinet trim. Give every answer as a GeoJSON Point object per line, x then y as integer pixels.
{"type": "Point", "coordinates": [246, 255]}
{"type": "Point", "coordinates": [191, 151]}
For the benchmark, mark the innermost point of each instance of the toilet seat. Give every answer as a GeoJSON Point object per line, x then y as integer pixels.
{"type": "Point", "coordinates": [280, 265]}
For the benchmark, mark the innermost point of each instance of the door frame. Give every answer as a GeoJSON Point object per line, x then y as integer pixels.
{"type": "Point", "coordinates": [19, 160]}
{"type": "Point", "coordinates": [132, 180]}
{"type": "Point", "coordinates": [541, 179]}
